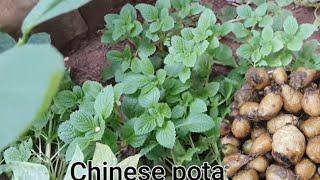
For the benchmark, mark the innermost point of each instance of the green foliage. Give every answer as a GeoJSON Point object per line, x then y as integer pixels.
{"type": "Point", "coordinates": [164, 102]}
{"type": "Point", "coordinates": [271, 43]}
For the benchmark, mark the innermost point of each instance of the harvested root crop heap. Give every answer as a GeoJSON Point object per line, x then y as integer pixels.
{"type": "Point", "coordinates": [275, 128]}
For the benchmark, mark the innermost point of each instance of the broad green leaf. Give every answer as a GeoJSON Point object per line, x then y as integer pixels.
{"type": "Point", "coordinates": [160, 4]}
{"type": "Point", "coordinates": [49, 9]}
{"type": "Point", "coordinates": [67, 132]}
{"type": "Point", "coordinates": [256, 56]}
{"type": "Point", "coordinates": [144, 124]}
{"type": "Point", "coordinates": [244, 11]}
{"type": "Point", "coordinates": [266, 49]}
{"type": "Point", "coordinates": [223, 55]}
{"type": "Point", "coordinates": [103, 153]}
{"type": "Point", "coordinates": [145, 48]}
{"type": "Point", "coordinates": [131, 161]}
{"type": "Point", "coordinates": [105, 102]}
{"type": "Point", "coordinates": [261, 9]}
{"type": "Point", "coordinates": [166, 135]}
{"type": "Point", "coordinates": [306, 30]}
{"type": "Point", "coordinates": [24, 99]}
{"type": "Point", "coordinates": [198, 106]}
{"type": "Point", "coordinates": [239, 30]}
{"type": "Point", "coordinates": [20, 153]}
{"type": "Point", "coordinates": [6, 42]}
{"type": "Point", "coordinates": [115, 55]}
{"type": "Point", "coordinates": [290, 25]}
{"type": "Point", "coordinates": [184, 75]}
{"type": "Point", "coordinates": [277, 45]}
{"type": "Point", "coordinates": [244, 51]}
{"type": "Point", "coordinates": [146, 66]}
{"type": "Point", "coordinates": [25, 170]}
{"type": "Point", "coordinates": [178, 111]}
{"type": "Point", "coordinates": [130, 136]}
{"type": "Point", "coordinates": [76, 157]}
{"type": "Point", "coordinates": [266, 21]}
{"type": "Point", "coordinates": [155, 26]}
{"type": "Point", "coordinates": [190, 59]}
{"type": "Point", "coordinates": [65, 99]}
{"type": "Point", "coordinates": [82, 121]}
{"type": "Point", "coordinates": [206, 19]}
{"type": "Point", "coordinates": [148, 12]}
{"type": "Point", "coordinates": [251, 21]}
{"type": "Point", "coordinates": [91, 89]}
{"type": "Point", "coordinates": [197, 123]}
{"type": "Point", "coordinates": [150, 97]}
{"type": "Point", "coordinates": [213, 88]}
{"type": "Point", "coordinates": [137, 29]}
{"type": "Point", "coordinates": [81, 143]}
{"type": "Point", "coordinates": [167, 24]}
{"type": "Point", "coordinates": [267, 33]}
{"type": "Point", "coordinates": [284, 2]}
{"type": "Point", "coordinates": [295, 44]}
{"type": "Point", "coordinates": [39, 38]}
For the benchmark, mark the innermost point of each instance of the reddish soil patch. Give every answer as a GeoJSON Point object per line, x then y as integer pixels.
{"type": "Point", "coordinates": [87, 55]}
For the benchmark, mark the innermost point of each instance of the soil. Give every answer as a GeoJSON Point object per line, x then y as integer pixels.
{"type": "Point", "coordinates": [87, 55]}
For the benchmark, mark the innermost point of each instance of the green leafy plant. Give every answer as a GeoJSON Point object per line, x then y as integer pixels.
{"type": "Point", "coordinates": [162, 103]}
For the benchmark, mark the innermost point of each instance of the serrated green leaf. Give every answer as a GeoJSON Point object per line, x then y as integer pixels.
{"type": "Point", "coordinates": [146, 66]}
{"type": "Point", "coordinates": [295, 44]}
{"type": "Point", "coordinates": [130, 136]}
{"type": "Point", "coordinates": [148, 12]}
{"type": "Point", "coordinates": [132, 82]}
{"type": "Point", "coordinates": [76, 157]}
{"type": "Point", "coordinates": [266, 49]}
{"type": "Point", "coordinates": [166, 135]}
{"type": "Point", "coordinates": [244, 51]}
{"type": "Point", "coordinates": [82, 121]}
{"type": "Point", "coordinates": [190, 59]}
{"type": "Point", "coordinates": [145, 48]}
{"type": "Point", "coordinates": [290, 25]}
{"type": "Point", "coordinates": [277, 45]}
{"type": "Point", "coordinates": [178, 111]}
{"type": "Point", "coordinates": [197, 123]}
{"type": "Point", "coordinates": [256, 55]}
{"type": "Point", "coordinates": [105, 101]}
{"type": "Point", "coordinates": [223, 55]}
{"type": "Point", "coordinates": [114, 55]}
{"type": "Point", "coordinates": [103, 153]}
{"type": "Point", "coordinates": [161, 75]}
{"type": "Point", "coordinates": [144, 124]}
{"type": "Point", "coordinates": [167, 24]}
{"type": "Point", "coordinates": [91, 89]}
{"type": "Point", "coordinates": [67, 133]}
{"type": "Point", "coordinates": [261, 9]}
{"type": "Point", "coordinates": [150, 97]}
{"type": "Point", "coordinates": [25, 170]}
{"type": "Point", "coordinates": [198, 106]}
{"type": "Point", "coordinates": [267, 33]}
{"type": "Point", "coordinates": [184, 75]}
{"type": "Point", "coordinates": [206, 19]}
{"type": "Point", "coordinates": [306, 30]}
{"type": "Point", "coordinates": [65, 99]}
{"type": "Point", "coordinates": [137, 29]}
{"type": "Point", "coordinates": [266, 21]}
{"type": "Point", "coordinates": [155, 26]}
{"type": "Point", "coordinates": [251, 21]}
{"type": "Point", "coordinates": [160, 4]}
{"type": "Point", "coordinates": [239, 30]}
{"type": "Point", "coordinates": [244, 11]}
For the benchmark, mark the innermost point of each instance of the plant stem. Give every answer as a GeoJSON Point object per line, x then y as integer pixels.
{"type": "Point", "coordinates": [48, 146]}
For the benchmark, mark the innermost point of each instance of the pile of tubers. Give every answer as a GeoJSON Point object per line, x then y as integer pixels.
{"type": "Point", "coordinates": [274, 127]}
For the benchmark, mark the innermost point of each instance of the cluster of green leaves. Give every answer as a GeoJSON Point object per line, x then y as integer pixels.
{"type": "Point", "coordinates": [268, 42]}
{"type": "Point", "coordinates": [169, 99]}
